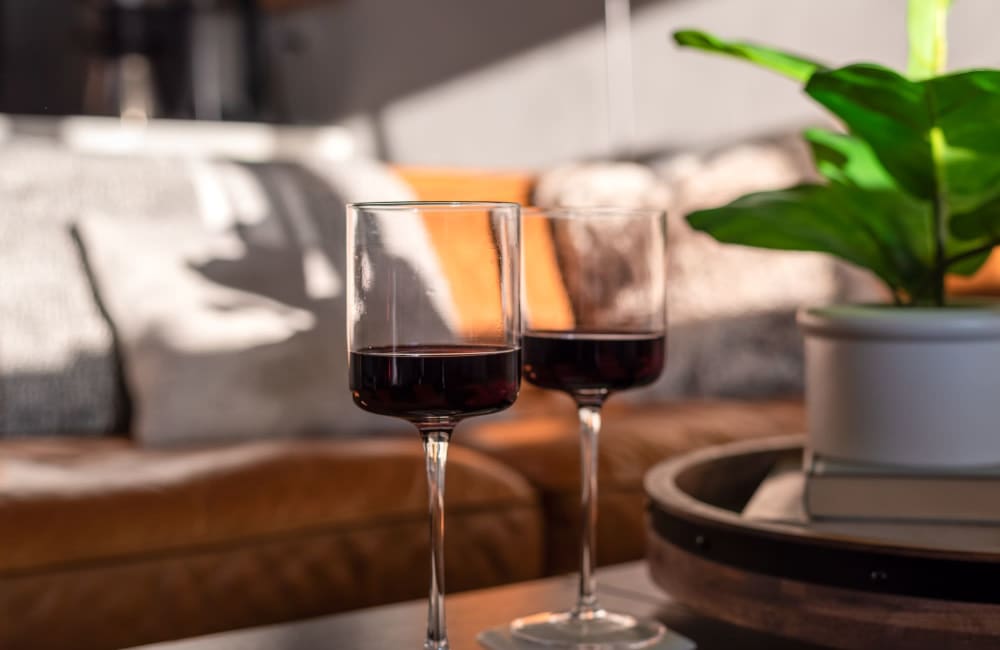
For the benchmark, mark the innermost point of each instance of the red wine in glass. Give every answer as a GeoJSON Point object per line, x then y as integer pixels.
{"type": "Point", "coordinates": [422, 382]}
{"type": "Point", "coordinates": [585, 361]}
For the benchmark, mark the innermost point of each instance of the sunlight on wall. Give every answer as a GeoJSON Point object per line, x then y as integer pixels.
{"type": "Point", "coordinates": [547, 104]}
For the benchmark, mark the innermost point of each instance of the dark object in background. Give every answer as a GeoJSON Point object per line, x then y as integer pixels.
{"type": "Point", "coordinates": [175, 58]}
{"type": "Point", "coordinates": [140, 60]}
{"type": "Point", "coordinates": [40, 56]}
{"type": "Point", "coordinates": [136, 58]}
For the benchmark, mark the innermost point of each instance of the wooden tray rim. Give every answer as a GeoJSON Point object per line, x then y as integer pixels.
{"type": "Point", "coordinates": [660, 484]}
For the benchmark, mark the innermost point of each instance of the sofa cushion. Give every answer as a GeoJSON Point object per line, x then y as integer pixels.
{"type": "Point", "coordinates": [545, 448]}
{"type": "Point", "coordinates": [231, 319]}
{"type": "Point", "coordinates": [58, 372]}
{"type": "Point", "coordinates": [119, 546]}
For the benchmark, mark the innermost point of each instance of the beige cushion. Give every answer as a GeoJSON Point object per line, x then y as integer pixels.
{"type": "Point", "coordinates": [231, 322]}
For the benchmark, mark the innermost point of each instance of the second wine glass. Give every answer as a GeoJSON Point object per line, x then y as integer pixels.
{"type": "Point", "coordinates": [594, 309]}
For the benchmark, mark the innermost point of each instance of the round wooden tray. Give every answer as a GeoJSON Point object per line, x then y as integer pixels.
{"type": "Point", "coordinates": [835, 590]}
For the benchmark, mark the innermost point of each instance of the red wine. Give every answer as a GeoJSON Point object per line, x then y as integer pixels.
{"type": "Point", "coordinates": [422, 382]}
{"type": "Point", "coordinates": [575, 361]}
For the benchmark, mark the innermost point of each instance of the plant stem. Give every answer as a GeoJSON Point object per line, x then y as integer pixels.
{"type": "Point", "coordinates": [928, 28]}
{"type": "Point", "coordinates": [941, 35]}
{"type": "Point", "coordinates": [939, 210]}
{"type": "Point", "coordinates": [938, 144]}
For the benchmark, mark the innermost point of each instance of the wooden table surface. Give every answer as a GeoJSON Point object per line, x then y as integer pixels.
{"type": "Point", "coordinates": [626, 588]}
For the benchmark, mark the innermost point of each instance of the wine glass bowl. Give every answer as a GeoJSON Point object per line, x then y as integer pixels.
{"type": "Point", "coordinates": [433, 330]}
{"type": "Point", "coordinates": [594, 308]}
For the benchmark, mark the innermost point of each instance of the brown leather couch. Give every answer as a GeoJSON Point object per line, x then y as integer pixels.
{"type": "Point", "coordinates": [104, 544]}
{"type": "Point", "coordinates": [181, 543]}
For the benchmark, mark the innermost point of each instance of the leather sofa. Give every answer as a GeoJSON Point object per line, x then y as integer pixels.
{"type": "Point", "coordinates": [105, 543]}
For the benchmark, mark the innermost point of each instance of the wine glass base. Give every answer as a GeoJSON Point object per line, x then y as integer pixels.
{"type": "Point", "coordinates": [597, 630]}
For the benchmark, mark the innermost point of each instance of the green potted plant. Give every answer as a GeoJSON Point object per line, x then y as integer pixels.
{"type": "Point", "coordinates": [911, 192]}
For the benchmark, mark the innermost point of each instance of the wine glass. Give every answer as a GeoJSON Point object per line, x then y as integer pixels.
{"type": "Point", "coordinates": [594, 308]}
{"type": "Point", "coordinates": [433, 330]}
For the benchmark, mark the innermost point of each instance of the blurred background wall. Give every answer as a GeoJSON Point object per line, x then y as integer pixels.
{"type": "Point", "coordinates": [511, 83]}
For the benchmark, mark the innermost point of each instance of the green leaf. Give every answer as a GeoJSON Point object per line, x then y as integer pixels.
{"type": "Point", "coordinates": [900, 118]}
{"type": "Point", "coordinates": [785, 63]}
{"type": "Point", "coordinates": [915, 184]}
{"type": "Point", "coordinates": [833, 219]}
{"type": "Point", "coordinates": [983, 221]}
{"type": "Point", "coordinates": [887, 111]}
{"type": "Point", "coordinates": [847, 160]}
{"type": "Point", "coordinates": [979, 233]}
{"type": "Point", "coordinates": [967, 110]}
{"type": "Point", "coordinates": [969, 265]}
{"type": "Point", "coordinates": [902, 225]}
{"type": "Point", "coordinates": [927, 22]}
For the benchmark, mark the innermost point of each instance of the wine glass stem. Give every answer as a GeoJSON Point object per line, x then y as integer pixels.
{"type": "Point", "coordinates": [590, 428]}
{"type": "Point", "coordinates": [436, 452]}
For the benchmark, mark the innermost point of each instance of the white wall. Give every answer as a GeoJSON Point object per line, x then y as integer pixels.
{"type": "Point", "coordinates": [543, 101]}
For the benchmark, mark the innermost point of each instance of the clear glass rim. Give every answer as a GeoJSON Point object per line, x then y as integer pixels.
{"type": "Point", "coordinates": [409, 205]}
{"type": "Point", "coordinates": [591, 212]}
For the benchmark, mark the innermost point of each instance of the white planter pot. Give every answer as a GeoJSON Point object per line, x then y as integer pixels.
{"type": "Point", "coordinates": [903, 386]}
